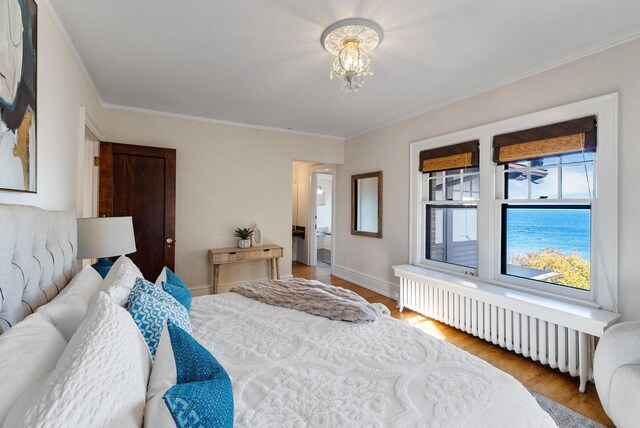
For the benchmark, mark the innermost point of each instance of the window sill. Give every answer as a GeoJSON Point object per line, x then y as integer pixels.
{"type": "Point", "coordinates": [579, 317]}
{"type": "Point", "coordinates": [510, 283]}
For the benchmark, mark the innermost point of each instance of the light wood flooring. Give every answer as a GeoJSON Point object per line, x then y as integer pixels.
{"type": "Point", "coordinates": [542, 379]}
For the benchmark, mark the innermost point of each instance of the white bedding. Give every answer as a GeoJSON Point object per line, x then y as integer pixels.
{"type": "Point", "coordinates": [292, 369]}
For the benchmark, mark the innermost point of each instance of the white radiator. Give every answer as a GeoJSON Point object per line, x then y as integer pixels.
{"type": "Point", "coordinates": [516, 321]}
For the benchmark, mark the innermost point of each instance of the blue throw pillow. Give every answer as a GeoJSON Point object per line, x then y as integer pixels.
{"type": "Point", "coordinates": [150, 306]}
{"type": "Point", "coordinates": [173, 278]}
{"type": "Point", "coordinates": [181, 294]}
{"type": "Point", "coordinates": [202, 396]}
{"type": "Point", "coordinates": [174, 286]}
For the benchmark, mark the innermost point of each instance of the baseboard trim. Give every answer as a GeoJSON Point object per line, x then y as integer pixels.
{"type": "Point", "coordinates": [204, 290]}
{"type": "Point", "coordinates": [369, 282]}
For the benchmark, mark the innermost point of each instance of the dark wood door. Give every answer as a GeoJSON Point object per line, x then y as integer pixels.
{"type": "Point", "coordinates": [140, 182]}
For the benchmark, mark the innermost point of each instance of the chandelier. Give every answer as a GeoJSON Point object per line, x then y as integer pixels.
{"type": "Point", "coordinates": [350, 41]}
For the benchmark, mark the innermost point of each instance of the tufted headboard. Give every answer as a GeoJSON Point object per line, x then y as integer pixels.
{"type": "Point", "coordinates": [37, 259]}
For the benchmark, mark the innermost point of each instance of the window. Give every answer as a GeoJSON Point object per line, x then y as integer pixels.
{"type": "Point", "coordinates": [544, 241]}
{"type": "Point", "coordinates": [548, 238]}
{"type": "Point", "coordinates": [548, 243]}
{"type": "Point", "coordinates": [452, 235]}
{"type": "Point", "coordinates": [564, 177]}
{"type": "Point", "coordinates": [528, 203]}
{"type": "Point", "coordinates": [451, 191]}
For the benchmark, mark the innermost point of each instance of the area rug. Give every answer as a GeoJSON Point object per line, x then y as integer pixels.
{"type": "Point", "coordinates": [564, 416]}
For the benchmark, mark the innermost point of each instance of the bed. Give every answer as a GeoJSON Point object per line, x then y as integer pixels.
{"type": "Point", "coordinates": [293, 369]}
{"type": "Point", "coordinates": [288, 368]}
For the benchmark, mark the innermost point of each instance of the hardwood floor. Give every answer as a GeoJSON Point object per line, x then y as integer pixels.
{"type": "Point", "coordinates": [542, 379]}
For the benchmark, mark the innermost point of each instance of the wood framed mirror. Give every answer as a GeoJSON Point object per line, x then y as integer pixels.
{"type": "Point", "coordinates": [366, 204]}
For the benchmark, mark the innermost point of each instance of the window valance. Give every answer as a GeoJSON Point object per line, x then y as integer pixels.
{"type": "Point", "coordinates": [457, 156]}
{"type": "Point", "coordinates": [572, 136]}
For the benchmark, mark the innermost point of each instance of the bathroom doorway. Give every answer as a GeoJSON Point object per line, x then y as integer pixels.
{"type": "Point", "coordinates": [321, 209]}
{"type": "Point", "coordinates": [313, 214]}
{"type": "Point", "coordinates": [323, 218]}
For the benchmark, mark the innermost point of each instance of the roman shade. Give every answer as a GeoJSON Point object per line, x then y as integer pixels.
{"type": "Point", "coordinates": [572, 136]}
{"type": "Point", "coordinates": [458, 156]}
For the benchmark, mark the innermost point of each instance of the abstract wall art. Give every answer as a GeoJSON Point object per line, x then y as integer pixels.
{"type": "Point", "coordinates": [18, 73]}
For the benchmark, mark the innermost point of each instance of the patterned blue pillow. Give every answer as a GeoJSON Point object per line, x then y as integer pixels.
{"type": "Point", "coordinates": [174, 286]}
{"type": "Point", "coordinates": [150, 306]}
{"type": "Point", "coordinates": [203, 395]}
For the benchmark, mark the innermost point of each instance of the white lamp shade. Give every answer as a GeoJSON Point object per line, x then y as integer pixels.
{"type": "Point", "coordinates": [105, 237]}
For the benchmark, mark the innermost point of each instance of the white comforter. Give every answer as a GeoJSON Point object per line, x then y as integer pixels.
{"type": "Point", "coordinates": [292, 369]}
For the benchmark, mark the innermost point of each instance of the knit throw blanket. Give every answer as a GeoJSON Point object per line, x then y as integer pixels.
{"type": "Point", "coordinates": [313, 297]}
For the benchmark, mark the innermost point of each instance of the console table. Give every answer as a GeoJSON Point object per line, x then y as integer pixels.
{"type": "Point", "coordinates": [221, 256]}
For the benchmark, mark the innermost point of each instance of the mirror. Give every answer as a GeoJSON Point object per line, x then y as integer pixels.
{"type": "Point", "coordinates": [366, 204]}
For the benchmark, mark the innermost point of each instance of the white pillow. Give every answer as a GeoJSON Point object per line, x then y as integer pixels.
{"type": "Point", "coordinates": [120, 279]}
{"type": "Point", "coordinates": [102, 379]}
{"type": "Point", "coordinates": [67, 310]}
{"type": "Point", "coordinates": [26, 400]}
{"type": "Point", "coordinates": [164, 374]}
{"type": "Point", "coordinates": [162, 277]}
{"type": "Point", "coordinates": [28, 351]}
{"type": "Point", "coordinates": [157, 414]}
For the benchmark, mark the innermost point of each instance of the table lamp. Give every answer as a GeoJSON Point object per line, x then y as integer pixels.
{"type": "Point", "coordinates": [102, 237]}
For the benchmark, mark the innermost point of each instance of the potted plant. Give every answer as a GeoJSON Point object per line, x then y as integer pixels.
{"type": "Point", "coordinates": [244, 233]}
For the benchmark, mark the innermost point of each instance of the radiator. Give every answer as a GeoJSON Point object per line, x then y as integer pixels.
{"type": "Point", "coordinates": [521, 327]}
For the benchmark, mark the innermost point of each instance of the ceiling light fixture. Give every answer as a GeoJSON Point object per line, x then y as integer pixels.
{"type": "Point", "coordinates": [350, 41]}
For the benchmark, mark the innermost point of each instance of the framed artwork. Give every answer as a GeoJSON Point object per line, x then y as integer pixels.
{"type": "Point", "coordinates": [18, 75]}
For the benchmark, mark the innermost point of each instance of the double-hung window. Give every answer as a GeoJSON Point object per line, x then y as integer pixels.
{"type": "Point", "coordinates": [528, 203]}
{"type": "Point", "coordinates": [451, 191]}
{"type": "Point", "coordinates": [546, 177]}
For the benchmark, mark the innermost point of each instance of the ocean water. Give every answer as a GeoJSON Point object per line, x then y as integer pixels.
{"type": "Point", "coordinates": [530, 230]}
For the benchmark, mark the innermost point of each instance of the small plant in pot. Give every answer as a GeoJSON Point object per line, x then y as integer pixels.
{"type": "Point", "coordinates": [244, 233]}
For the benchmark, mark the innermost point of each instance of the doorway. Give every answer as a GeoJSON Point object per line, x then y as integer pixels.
{"type": "Point", "coordinates": [87, 196]}
{"type": "Point", "coordinates": [321, 215]}
{"type": "Point", "coordinates": [313, 214]}
{"type": "Point", "coordinates": [323, 219]}
{"type": "Point", "coordinates": [88, 205]}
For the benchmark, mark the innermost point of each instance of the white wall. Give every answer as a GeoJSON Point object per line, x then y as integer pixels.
{"type": "Point", "coordinates": [62, 90]}
{"type": "Point", "coordinates": [369, 260]}
{"type": "Point", "coordinates": [227, 176]}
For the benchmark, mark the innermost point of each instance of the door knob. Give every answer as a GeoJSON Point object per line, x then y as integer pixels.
{"type": "Point", "coordinates": [169, 240]}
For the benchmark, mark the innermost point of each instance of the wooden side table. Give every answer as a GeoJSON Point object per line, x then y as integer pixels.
{"type": "Point", "coordinates": [221, 256]}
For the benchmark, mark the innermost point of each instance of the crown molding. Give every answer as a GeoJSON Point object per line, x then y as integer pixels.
{"type": "Point", "coordinates": [433, 107]}
{"type": "Point", "coordinates": [218, 121]}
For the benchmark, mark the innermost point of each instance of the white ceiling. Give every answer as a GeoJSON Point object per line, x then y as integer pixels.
{"type": "Point", "coordinates": [260, 62]}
